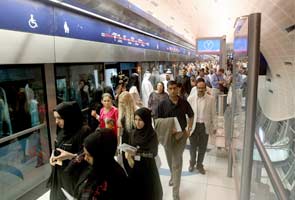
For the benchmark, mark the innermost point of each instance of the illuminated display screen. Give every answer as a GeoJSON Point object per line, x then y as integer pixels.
{"type": "Point", "coordinates": [240, 44]}
{"type": "Point", "coordinates": [241, 37]}
{"type": "Point", "coordinates": [208, 46]}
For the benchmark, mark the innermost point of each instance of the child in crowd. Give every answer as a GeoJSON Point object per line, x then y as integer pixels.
{"type": "Point", "coordinates": [110, 123]}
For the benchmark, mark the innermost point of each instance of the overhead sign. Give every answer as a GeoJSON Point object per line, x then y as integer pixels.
{"type": "Point", "coordinates": [27, 16]}
{"type": "Point", "coordinates": [241, 37]}
{"type": "Point", "coordinates": [43, 18]}
{"type": "Point", "coordinates": [240, 44]}
{"type": "Point", "coordinates": [69, 24]}
{"type": "Point", "coordinates": [208, 46]}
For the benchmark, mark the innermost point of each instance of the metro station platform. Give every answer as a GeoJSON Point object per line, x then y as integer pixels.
{"type": "Point", "coordinates": [213, 185]}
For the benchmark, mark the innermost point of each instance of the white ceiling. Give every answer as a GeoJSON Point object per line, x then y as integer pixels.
{"type": "Point", "coordinates": [206, 18]}
{"type": "Point", "coordinates": [192, 18]}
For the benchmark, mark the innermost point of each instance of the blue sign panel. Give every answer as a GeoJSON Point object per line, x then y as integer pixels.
{"type": "Point", "coordinates": [241, 38]}
{"type": "Point", "coordinates": [43, 18]}
{"type": "Point", "coordinates": [27, 16]}
{"type": "Point", "coordinates": [240, 44]}
{"type": "Point", "coordinates": [208, 46]}
{"type": "Point", "coordinates": [164, 46]}
{"type": "Point", "coordinates": [73, 25]}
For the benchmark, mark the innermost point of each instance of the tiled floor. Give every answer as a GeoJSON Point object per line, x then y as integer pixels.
{"type": "Point", "coordinates": [194, 186]}
{"type": "Point", "coordinates": [215, 185]}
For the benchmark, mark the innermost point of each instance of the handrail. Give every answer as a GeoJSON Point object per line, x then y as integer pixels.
{"type": "Point", "coordinates": [21, 133]}
{"type": "Point", "coordinates": [273, 175]}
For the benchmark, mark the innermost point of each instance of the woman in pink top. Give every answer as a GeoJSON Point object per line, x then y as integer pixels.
{"type": "Point", "coordinates": [108, 111]}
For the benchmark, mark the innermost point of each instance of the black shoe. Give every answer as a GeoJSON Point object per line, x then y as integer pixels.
{"type": "Point", "coordinates": [191, 168]}
{"type": "Point", "coordinates": [170, 182]}
{"type": "Point", "coordinates": [201, 169]}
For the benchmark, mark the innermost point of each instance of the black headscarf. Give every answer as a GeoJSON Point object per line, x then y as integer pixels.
{"type": "Point", "coordinates": [70, 138]}
{"type": "Point", "coordinates": [102, 146]}
{"type": "Point", "coordinates": [105, 179]}
{"type": "Point", "coordinates": [71, 113]}
{"type": "Point", "coordinates": [146, 137]}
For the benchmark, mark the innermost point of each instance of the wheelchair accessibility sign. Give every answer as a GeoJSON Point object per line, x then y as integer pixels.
{"type": "Point", "coordinates": [32, 22]}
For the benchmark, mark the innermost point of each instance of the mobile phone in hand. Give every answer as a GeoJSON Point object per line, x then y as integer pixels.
{"type": "Point", "coordinates": [56, 153]}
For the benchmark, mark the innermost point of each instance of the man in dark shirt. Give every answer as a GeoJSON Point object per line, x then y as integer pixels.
{"type": "Point", "coordinates": [179, 108]}
{"type": "Point", "coordinates": [184, 80]}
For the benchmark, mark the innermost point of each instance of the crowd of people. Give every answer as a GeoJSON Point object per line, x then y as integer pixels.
{"type": "Point", "coordinates": [129, 126]}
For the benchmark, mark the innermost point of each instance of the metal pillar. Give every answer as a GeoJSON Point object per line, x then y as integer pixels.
{"type": "Point", "coordinates": [51, 99]}
{"type": "Point", "coordinates": [254, 21]}
{"type": "Point", "coordinates": [223, 53]}
{"type": "Point", "coordinates": [232, 115]}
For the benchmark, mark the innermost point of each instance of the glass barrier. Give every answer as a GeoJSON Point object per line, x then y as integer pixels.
{"type": "Point", "coordinates": [261, 187]}
{"type": "Point", "coordinates": [160, 71]}
{"type": "Point", "coordinates": [78, 82]}
{"type": "Point", "coordinates": [237, 95]}
{"type": "Point", "coordinates": [83, 83]}
{"type": "Point", "coordinates": [24, 142]}
{"type": "Point", "coordinates": [277, 138]}
{"type": "Point", "coordinates": [237, 141]}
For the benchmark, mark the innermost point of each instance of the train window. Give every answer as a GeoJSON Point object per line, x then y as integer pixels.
{"type": "Point", "coordinates": [158, 70]}
{"type": "Point", "coordinates": [78, 82]}
{"type": "Point", "coordinates": [24, 143]}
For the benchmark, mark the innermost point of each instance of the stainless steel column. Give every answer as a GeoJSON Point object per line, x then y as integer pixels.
{"type": "Point", "coordinates": [252, 83]}
{"type": "Point", "coordinates": [223, 53]}
{"type": "Point", "coordinates": [230, 140]}
{"type": "Point", "coordinates": [221, 104]}
{"type": "Point", "coordinates": [232, 115]}
{"type": "Point", "coordinates": [51, 99]}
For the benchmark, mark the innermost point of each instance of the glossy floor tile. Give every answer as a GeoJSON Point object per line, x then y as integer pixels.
{"type": "Point", "coordinates": [194, 186]}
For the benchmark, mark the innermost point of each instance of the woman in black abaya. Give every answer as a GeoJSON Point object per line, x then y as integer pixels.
{"type": "Point", "coordinates": [70, 135]}
{"type": "Point", "coordinates": [104, 179]}
{"type": "Point", "coordinates": [144, 175]}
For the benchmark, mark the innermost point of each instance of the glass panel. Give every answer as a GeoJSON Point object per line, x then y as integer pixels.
{"type": "Point", "coordinates": [261, 187]}
{"type": "Point", "coordinates": [84, 84]}
{"type": "Point", "coordinates": [239, 88]}
{"type": "Point", "coordinates": [78, 83]}
{"type": "Point", "coordinates": [160, 71]}
{"type": "Point", "coordinates": [278, 140]}
{"type": "Point", "coordinates": [24, 146]}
